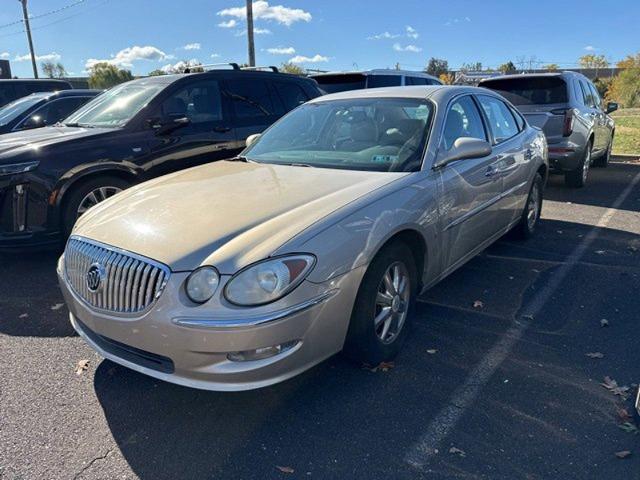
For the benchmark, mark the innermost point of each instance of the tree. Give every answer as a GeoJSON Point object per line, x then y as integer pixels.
{"type": "Point", "coordinates": [625, 87]}
{"type": "Point", "coordinates": [292, 68]}
{"type": "Point", "coordinates": [106, 75]}
{"type": "Point", "coordinates": [157, 72]}
{"type": "Point", "coordinates": [437, 66]}
{"type": "Point", "coordinates": [53, 70]}
{"type": "Point", "coordinates": [507, 68]}
{"type": "Point", "coordinates": [603, 85]}
{"type": "Point", "coordinates": [593, 61]}
{"type": "Point", "coordinates": [552, 67]}
{"type": "Point", "coordinates": [471, 67]}
{"type": "Point", "coordinates": [447, 78]}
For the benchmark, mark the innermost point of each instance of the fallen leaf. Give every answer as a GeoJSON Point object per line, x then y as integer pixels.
{"type": "Point", "coordinates": [432, 351]}
{"type": "Point", "coordinates": [23, 315]}
{"type": "Point", "coordinates": [82, 366]}
{"type": "Point", "coordinates": [57, 306]}
{"type": "Point", "coordinates": [457, 451]}
{"type": "Point", "coordinates": [384, 366]}
{"type": "Point", "coordinates": [595, 355]}
{"type": "Point", "coordinates": [629, 427]}
{"type": "Point", "coordinates": [609, 383]}
{"type": "Point", "coordinates": [478, 304]}
{"type": "Point", "coordinates": [604, 322]}
{"type": "Point", "coordinates": [623, 454]}
{"type": "Point", "coordinates": [285, 469]}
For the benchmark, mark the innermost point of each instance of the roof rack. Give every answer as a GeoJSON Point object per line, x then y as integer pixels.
{"type": "Point", "coordinates": [233, 65]}
{"type": "Point", "coordinates": [270, 67]}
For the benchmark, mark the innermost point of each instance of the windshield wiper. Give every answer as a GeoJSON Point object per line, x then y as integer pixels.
{"type": "Point", "coordinates": [72, 124]}
{"type": "Point", "coordinates": [240, 158]}
{"type": "Point", "coordinates": [298, 165]}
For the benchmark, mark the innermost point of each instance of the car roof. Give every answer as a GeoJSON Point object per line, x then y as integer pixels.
{"type": "Point", "coordinates": [435, 92]}
{"type": "Point", "coordinates": [34, 80]}
{"type": "Point", "coordinates": [533, 75]}
{"type": "Point", "coordinates": [174, 77]}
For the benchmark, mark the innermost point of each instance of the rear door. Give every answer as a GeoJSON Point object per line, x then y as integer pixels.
{"type": "Point", "coordinates": [541, 99]}
{"type": "Point", "coordinates": [471, 188]}
{"type": "Point", "coordinates": [601, 130]}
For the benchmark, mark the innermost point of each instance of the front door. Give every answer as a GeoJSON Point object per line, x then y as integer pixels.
{"type": "Point", "coordinates": [208, 135]}
{"type": "Point", "coordinates": [470, 189]}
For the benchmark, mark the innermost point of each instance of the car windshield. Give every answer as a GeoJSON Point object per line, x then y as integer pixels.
{"type": "Point", "coordinates": [115, 107]}
{"type": "Point", "coordinates": [376, 134]}
{"type": "Point", "coordinates": [13, 110]}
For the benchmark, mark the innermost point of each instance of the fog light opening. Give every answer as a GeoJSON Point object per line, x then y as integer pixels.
{"type": "Point", "coordinates": [262, 353]}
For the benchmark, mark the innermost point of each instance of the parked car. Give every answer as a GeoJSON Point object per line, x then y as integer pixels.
{"type": "Point", "coordinates": [12, 89]}
{"type": "Point", "coordinates": [343, 81]}
{"type": "Point", "coordinates": [318, 238]}
{"type": "Point", "coordinates": [42, 109]}
{"type": "Point", "coordinates": [568, 108]}
{"type": "Point", "coordinates": [135, 131]}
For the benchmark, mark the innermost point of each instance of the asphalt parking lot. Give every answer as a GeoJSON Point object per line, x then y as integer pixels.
{"type": "Point", "coordinates": [494, 382]}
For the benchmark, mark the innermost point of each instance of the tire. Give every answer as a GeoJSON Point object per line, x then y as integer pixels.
{"type": "Point", "coordinates": [578, 178]}
{"type": "Point", "coordinates": [530, 217]}
{"type": "Point", "coordinates": [78, 195]}
{"type": "Point", "coordinates": [364, 342]}
{"type": "Point", "coordinates": [603, 160]}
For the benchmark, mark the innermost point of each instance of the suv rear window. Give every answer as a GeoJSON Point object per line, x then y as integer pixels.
{"type": "Point", "coordinates": [530, 90]}
{"type": "Point", "coordinates": [341, 83]}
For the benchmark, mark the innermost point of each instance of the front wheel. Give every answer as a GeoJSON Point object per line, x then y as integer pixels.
{"type": "Point", "coordinates": [382, 309]}
{"type": "Point", "coordinates": [532, 209]}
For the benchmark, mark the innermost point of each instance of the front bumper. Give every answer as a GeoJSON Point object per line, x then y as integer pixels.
{"type": "Point", "coordinates": [189, 345]}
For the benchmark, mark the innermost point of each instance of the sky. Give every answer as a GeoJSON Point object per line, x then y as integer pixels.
{"type": "Point", "coordinates": [144, 35]}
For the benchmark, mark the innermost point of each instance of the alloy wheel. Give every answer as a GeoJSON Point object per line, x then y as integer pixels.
{"type": "Point", "coordinates": [96, 196]}
{"type": "Point", "coordinates": [533, 208]}
{"type": "Point", "coordinates": [586, 165]}
{"type": "Point", "coordinates": [392, 302]}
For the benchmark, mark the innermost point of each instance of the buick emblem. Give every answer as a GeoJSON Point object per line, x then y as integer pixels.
{"type": "Point", "coordinates": [95, 275]}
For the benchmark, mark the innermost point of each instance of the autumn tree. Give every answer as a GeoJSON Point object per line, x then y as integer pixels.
{"type": "Point", "coordinates": [447, 78]}
{"type": "Point", "coordinates": [593, 61]}
{"type": "Point", "coordinates": [157, 72]}
{"type": "Point", "coordinates": [292, 68]}
{"type": "Point", "coordinates": [471, 67]}
{"type": "Point", "coordinates": [106, 75]}
{"type": "Point", "coordinates": [552, 67]}
{"type": "Point", "coordinates": [437, 67]}
{"type": "Point", "coordinates": [625, 87]}
{"type": "Point", "coordinates": [53, 70]}
{"type": "Point", "coordinates": [507, 68]}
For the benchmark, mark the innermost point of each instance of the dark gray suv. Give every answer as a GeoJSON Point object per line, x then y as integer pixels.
{"type": "Point", "coordinates": [568, 108]}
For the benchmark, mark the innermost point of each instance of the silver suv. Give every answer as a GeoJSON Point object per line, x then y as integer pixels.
{"type": "Point", "coordinates": [568, 108]}
{"type": "Point", "coordinates": [335, 82]}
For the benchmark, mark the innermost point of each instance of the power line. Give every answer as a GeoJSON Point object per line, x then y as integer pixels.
{"type": "Point", "coordinates": [45, 14]}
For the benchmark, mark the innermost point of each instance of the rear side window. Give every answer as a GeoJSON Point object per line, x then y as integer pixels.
{"type": "Point", "coordinates": [594, 95]}
{"type": "Point", "coordinates": [519, 119]}
{"type": "Point", "coordinates": [291, 94]}
{"type": "Point", "coordinates": [377, 81]}
{"type": "Point", "coordinates": [341, 83]}
{"type": "Point", "coordinates": [200, 102]}
{"type": "Point", "coordinates": [501, 120]}
{"type": "Point", "coordinates": [530, 90]}
{"type": "Point", "coordinates": [587, 95]}
{"type": "Point", "coordinates": [251, 98]}
{"type": "Point", "coordinates": [417, 81]}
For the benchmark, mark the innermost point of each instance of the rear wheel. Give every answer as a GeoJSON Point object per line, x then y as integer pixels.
{"type": "Point", "coordinates": [577, 178]}
{"type": "Point", "coordinates": [531, 213]}
{"type": "Point", "coordinates": [88, 195]}
{"type": "Point", "coordinates": [382, 309]}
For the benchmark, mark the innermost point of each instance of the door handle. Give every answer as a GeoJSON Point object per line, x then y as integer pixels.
{"type": "Point", "coordinates": [221, 129]}
{"type": "Point", "coordinates": [491, 171]}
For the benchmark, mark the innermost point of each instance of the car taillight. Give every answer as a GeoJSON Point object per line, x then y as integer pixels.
{"type": "Point", "coordinates": [567, 122]}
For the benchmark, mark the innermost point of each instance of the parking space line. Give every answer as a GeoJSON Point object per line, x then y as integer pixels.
{"type": "Point", "coordinates": [560, 262]}
{"type": "Point", "coordinates": [464, 396]}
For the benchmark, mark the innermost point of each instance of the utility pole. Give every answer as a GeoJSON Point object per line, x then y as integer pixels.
{"type": "Point", "coordinates": [252, 50]}
{"type": "Point", "coordinates": [28, 30]}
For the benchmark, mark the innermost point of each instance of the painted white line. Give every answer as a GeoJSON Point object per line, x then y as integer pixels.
{"type": "Point", "coordinates": [464, 396]}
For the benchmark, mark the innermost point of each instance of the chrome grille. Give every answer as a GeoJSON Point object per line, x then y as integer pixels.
{"type": "Point", "coordinates": [129, 283]}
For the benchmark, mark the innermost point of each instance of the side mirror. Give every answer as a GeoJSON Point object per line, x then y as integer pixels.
{"type": "Point", "coordinates": [612, 107]}
{"type": "Point", "coordinates": [35, 121]}
{"type": "Point", "coordinates": [168, 124]}
{"type": "Point", "coordinates": [251, 139]}
{"type": "Point", "coordinates": [464, 148]}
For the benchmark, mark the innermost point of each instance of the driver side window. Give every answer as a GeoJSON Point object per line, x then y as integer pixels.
{"type": "Point", "coordinates": [200, 102]}
{"type": "Point", "coordinates": [463, 120]}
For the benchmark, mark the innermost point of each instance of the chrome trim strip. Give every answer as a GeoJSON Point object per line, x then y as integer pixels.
{"type": "Point", "coordinates": [248, 321]}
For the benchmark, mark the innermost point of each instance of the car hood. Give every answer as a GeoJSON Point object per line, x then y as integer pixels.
{"type": "Point", "coordinates": [39, 138]}
{"type": "Point", "coordinates": [226, 214]}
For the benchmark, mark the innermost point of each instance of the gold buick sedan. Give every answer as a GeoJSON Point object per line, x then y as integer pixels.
{"type": "Point", "coordinates": [317, 239]}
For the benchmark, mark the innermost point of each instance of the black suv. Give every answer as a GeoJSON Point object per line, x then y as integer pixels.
{"type": "Point", "coordinates": [12, 89]}
{"type": "Point", "coordinates": [135, 131]}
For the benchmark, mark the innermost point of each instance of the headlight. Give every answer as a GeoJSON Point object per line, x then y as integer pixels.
{"type": "Point", "coordinates": [268, 281]}
{"type": "Point", "coordinates": [15, 168]}
{"type": "Point", "coordinates": [202, 284]}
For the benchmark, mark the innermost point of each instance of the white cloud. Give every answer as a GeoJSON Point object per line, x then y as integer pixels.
{"type": "Point", "coordinates": [408, 48]}
{"type": "Point", "coordinates": [49, 57]}
{"type": "Point", "coordinates": [192, 46]}
{"type": "Point", "coordinates": [179, 67]}
{"type": "Point", "coordinates": [228, 24]}
{"type": "Point", "coordinates": [126, 56]}
{"type": "Point", "coordinates": [317, 58]}
{"type": "Point", "coordinates": [4, 55]}
{"type": "Point", "coordinates": [453, 21]}
{"type": "Point", "coordinates": [256, 31]}
{"type": "Point", "coordinates": [262, 10]}
{"type": "Point", "coordinates": [382, 35]}
{"type": "Point", "coordinates": [590, 48]}
{"type": "Point", "coordinates": [411, 32]}
{"type": "Point", "coordinates": [215, 55]}
{"type": "Point", "coordinates": [281, 50]}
